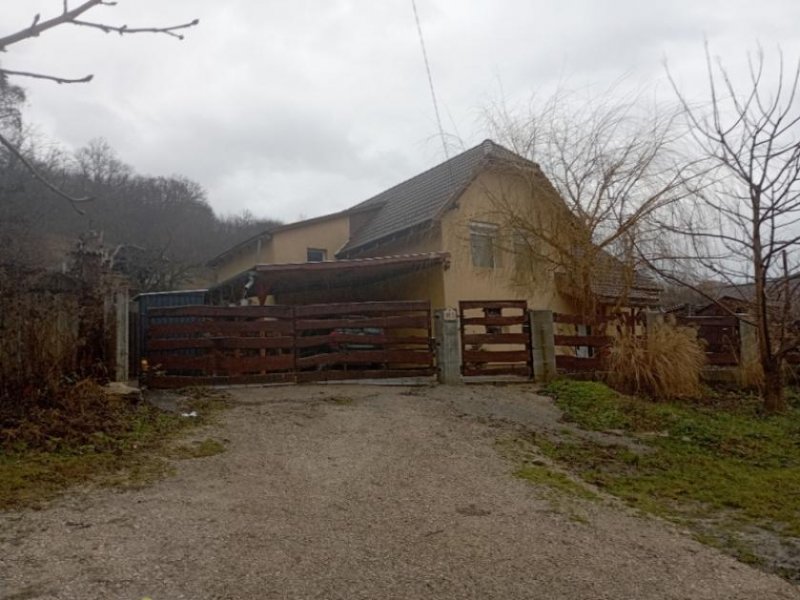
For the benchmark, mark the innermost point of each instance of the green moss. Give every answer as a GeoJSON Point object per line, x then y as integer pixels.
{"type": "Point", "coordinates": [542, 475]}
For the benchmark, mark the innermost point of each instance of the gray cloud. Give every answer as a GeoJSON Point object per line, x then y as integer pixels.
{"type": "Point", "coordinates": [300, 108]}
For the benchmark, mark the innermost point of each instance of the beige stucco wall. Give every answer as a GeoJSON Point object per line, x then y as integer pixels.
{"type": "Point", "coordinates": [288, 246]}
{"type": "Point", "coordinates": [463, 281]}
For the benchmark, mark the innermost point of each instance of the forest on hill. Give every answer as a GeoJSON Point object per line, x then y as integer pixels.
{"type": "Point", "coordinates": [159, 231]}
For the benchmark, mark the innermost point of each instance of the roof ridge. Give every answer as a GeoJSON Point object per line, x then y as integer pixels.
{"type": "Point", "coordinates": [482, 146]}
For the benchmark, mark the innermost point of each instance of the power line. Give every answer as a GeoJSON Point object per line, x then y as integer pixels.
{"type": "Point", "coordinates": [430, 79]}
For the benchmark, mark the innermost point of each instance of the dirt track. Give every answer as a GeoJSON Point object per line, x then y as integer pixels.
{"type": "Point", "coordinates": [359, 492]}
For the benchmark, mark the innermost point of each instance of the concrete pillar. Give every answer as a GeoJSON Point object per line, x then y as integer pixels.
{"type": "Point", "coordinates": [748, 342]}
{"type": "Point", "coordinates": [122, 330]}
{"type": "Point", "coordinates": [544, 349]}
{"type": "Point", "coordinates": [653, 318]}
{"type": "Point", "coordinates": [448, 345]}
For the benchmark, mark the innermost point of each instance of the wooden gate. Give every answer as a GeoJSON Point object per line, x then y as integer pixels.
{"type": "Point", "coordinates": [495, 338]}
{"type": "Point", "coordinates": [211, 345]}
{"type": "Point", "coordinates": [364, 340]}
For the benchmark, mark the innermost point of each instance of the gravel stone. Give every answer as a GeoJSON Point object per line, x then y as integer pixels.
{"type": "Point", "coordinates": [400, 493]}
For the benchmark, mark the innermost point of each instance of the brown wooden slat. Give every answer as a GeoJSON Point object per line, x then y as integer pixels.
{"type": "Point", "coordinates": [180, 362]}
{"type": "Point", "coordinates": [394, 307]}
{"type": "Point", "coordinates": [721, 358]}
{"type": "Point", "coordinates": [502, 356]}
{"type": "Point", "coordinates": [258, 343]}
{"type": "Point", "coordinates": [473, 304]}
{"type": "Point", "coordinates": [182, 381]}
{"type": "Point", "coordinates": [242, 364]}
{"type": "Point", "coordinates": [204, 311]}
{"type": "Point", "coordinates": [218, 328]}
{"type": "Point", "coordinates": [497, 321]}
{"type": "Point", "coordinates": [340, 375]}
{"type": "Point", "coordinates": [521, 371]}
{"type": "Point", "coordinates": [496, 338]}
{"type": "Point", "coordinates": [574, 363]}
{"type": "Point", "coordinates": [367, 357]}
{"type": "Point", "coordinates": [410, 322]}
{"type": "Point", "coordinates": [596, 341]}
{"type": "Point", "coordinates": [717, 321]}
{"type": "Point", "coordinates": [179, 344]}
{"type": "Point", "coordinates": [381, 340]}
{"type": "Point", "coordinates": [590, 321]}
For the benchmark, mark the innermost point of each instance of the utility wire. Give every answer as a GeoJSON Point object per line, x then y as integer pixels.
{"type": "Point", "coordinates": [430, 80]}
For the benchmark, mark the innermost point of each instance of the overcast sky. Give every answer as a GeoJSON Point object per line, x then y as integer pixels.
{"type": "Point", "coordinates": [294, 109]}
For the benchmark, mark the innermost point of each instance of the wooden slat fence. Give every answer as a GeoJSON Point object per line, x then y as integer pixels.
{"type": "Point", "coordinates": [208, 345]}
{"type": "Point", "coordinates": [495, 338]}
{"type": "Point", "coordinates": [720, 335]}
{"type": "Point", "coordinates": [580, 351]}
{"type": "Point", "coordinates": [202, 345]}
{"type": "Point", "coordinates": [364, 340]}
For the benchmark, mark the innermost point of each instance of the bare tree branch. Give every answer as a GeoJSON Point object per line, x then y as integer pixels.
{"type": "Point", "coordinates": [59, 80]}
{"type": "Point", "coordinates": [74, 201]}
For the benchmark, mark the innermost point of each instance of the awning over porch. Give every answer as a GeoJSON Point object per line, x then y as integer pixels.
{"type": "Point", "coordinates": [291, 278]}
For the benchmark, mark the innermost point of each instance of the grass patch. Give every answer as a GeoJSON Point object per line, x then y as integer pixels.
{"type": "Point", "coordinates": [41, 457]}
{"type": "Point", "coordinates": [199, 449]}
{"type": "Point", "coordinates": [542, 475]}
{"type": "Point", "coordinates": [720, 459]}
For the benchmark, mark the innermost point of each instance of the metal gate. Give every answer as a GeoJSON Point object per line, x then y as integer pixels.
{"type": "Point", "coordinates": [495, 338]}
{"type": "Point", "coordinates": [213, 345]}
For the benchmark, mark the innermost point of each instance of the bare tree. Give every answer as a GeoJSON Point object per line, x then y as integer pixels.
{"type": "Point", "coordinates": [68, 17]}
{"type": "Point", "coordinates": [745, 230]}
{"type": "Point", "coordinates": [613, 164]}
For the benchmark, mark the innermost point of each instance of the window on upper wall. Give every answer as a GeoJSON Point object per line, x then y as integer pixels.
{"type": "Point", "coordinates": [316, 255]}
{"type": "Point", "coordinates": [483, 246]}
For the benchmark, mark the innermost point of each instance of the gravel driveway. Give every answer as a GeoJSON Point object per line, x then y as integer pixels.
{"type": "Point", "coordinates": [359, 492]}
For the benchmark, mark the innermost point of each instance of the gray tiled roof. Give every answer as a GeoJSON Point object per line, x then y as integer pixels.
{"type": "Point", "coordinates": [419, 199]}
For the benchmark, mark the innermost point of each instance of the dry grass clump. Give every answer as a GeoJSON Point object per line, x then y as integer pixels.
{"type": "Point", "coordinates": [664, 364]}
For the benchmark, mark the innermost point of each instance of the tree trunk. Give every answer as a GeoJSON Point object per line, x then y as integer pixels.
{"type": "Point", "coordinates": [772, 391]}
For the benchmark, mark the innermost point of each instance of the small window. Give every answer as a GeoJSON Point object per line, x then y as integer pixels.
{"type": "Point", "coordinates": [482, 244]}
{"type": "Point", "coordinates": [316, 255]}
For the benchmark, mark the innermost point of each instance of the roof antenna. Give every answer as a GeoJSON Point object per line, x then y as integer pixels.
{"type": "Point", "coordinates": [430, 80]}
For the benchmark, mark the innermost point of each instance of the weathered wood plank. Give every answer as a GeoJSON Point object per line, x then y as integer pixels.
{"type": "Point", "coordinates": [575, 363]}
{"type": "Point", "coordinates": [341, 375]}
{"type": "Point", "coordinates": [720, 359]}
{"type": "Point", "coordinates": [715, 321]}
{"type": "Point", "coordinates": [218, 328]}
{"type": "Point", "coordinates": [496, 321]}
{"type": "Point", "coordinates": [596, 341]}
{"type": "Point", "coordinates": [179, 344]}
{"type": "Point", "coordinates": [521, 371]}
{"type": "Point", "coordinates": [500, 356]}
{"type": "Point", "coordinates": [205, 311]}
{"type": "Point", "coordinates": [377, 340]}
{"type": "Point", "coordinates": [244, 364]}
{"type": "Point", "coordinates": [496, 338]}
{"type": "Point", "coordinates": [384, 357]}
{"type": "Point", "coordinates": [183, 381]}
{"type": "Point", "coordinates": [404, 322]}
{"type": "Point", "coordinates": [332, 310]}
{"type": "Point", "coordinates": [473, 304]}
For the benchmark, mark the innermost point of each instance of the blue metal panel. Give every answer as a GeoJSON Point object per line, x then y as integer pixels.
{"type": "Point", "coordinates": [149, 301]}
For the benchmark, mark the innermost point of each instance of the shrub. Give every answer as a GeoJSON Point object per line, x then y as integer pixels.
{"type": "Point", "coordinates": [666, 363]}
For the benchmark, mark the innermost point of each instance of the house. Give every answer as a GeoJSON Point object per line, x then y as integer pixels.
{"type": "Point", "coordinates": [436, 236]}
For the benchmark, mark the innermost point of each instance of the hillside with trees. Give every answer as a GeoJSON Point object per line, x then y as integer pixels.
{"type": "Point", "coordinates": [160, 231]}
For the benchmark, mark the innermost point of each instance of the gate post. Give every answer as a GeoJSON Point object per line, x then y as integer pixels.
{"type": "Point", "coordinates": [448, 346]}
{"type": "Point", "coordinates": [543, 342]}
